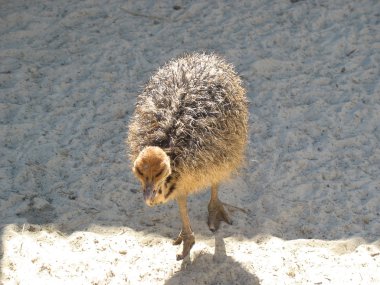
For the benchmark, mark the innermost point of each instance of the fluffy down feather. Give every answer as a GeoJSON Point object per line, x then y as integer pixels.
{"type": "Point", "coordinates": [195, 109]}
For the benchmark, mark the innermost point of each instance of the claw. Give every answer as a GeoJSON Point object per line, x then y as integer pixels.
{"type": "Point", "coordinates": [213, 221]}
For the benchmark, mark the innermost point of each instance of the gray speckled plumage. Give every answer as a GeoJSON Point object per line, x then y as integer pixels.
{"type": "Point", "coordinates": [195, 109]}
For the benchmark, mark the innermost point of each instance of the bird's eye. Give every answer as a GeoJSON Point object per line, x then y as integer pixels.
{"type": "Point", "coordinates": [139, 171]}
{"type": "Point", "coordinates": [159, 173]}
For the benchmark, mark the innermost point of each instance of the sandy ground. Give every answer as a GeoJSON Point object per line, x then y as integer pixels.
{"type": "Point", "coordinates": [306, 208]}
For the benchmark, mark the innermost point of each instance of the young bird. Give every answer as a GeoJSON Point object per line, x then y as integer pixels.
{"type": "Point", "coordinates": [188, 132]}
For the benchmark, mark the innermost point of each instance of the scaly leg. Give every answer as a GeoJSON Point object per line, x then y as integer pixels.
{"type": "Point", "coordinates": [186, 235]}
{"type": "Point", "coordinates": [216, 211]}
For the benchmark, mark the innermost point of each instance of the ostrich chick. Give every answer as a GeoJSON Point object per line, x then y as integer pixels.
{"type": "Point", "coordinates": [188, 132]}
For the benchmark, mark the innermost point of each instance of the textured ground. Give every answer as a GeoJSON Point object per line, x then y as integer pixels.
{"type": "Point", "coordinates": [306, 209]}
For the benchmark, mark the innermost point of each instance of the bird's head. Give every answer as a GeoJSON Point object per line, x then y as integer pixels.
{"type": "Point", "coordinates": [152, 167]}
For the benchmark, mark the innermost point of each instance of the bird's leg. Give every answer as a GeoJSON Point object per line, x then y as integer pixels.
{"type": "Point", "coordinates": [186, 235]}
{"type": "Point", "coordinates": [216, 211]}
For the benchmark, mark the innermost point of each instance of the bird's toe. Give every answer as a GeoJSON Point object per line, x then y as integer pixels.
{"type": "Point", "coordinates": [217, 213]}
{"type": "Point", "coordinates": [188, 242]}
{"type": "Point", "coordinates": [178, 240]}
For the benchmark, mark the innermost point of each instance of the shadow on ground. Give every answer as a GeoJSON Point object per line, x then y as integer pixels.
{"type": "Point", "coordinates": [213, 269]}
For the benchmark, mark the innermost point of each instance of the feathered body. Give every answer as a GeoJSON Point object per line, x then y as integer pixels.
{"type": "Point", "coordinates": [195, 109]}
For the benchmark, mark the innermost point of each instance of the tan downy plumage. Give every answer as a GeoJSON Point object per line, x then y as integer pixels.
{"type": "Point", "coordinates": [188, 132]}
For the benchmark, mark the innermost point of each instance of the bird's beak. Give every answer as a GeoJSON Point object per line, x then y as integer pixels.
{"type": "Point", "coordinates": [149, 194]}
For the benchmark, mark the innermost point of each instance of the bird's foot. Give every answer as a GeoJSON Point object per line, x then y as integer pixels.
{"type": "Point", "coordinates": [216, 214]}
{"type": "Point", "coordinates": [188, 242]}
